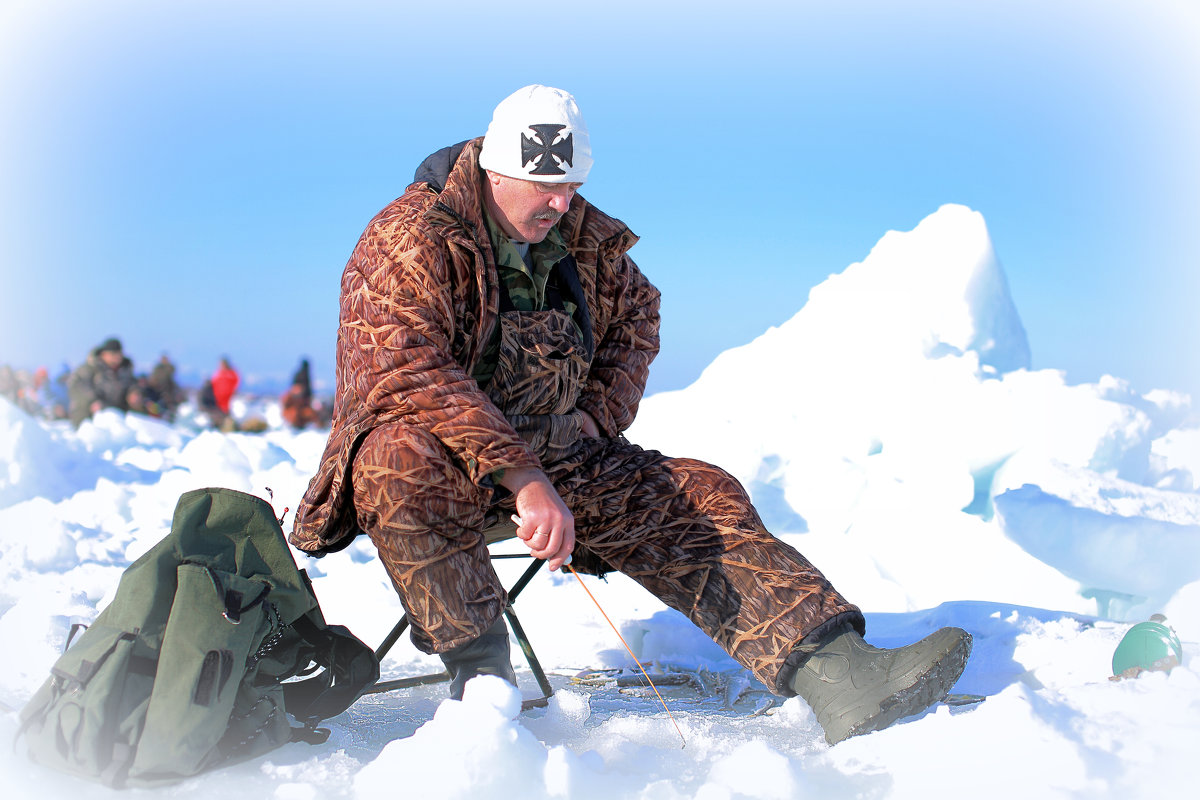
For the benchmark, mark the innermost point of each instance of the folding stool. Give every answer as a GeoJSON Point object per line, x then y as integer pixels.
{"type": "Point", "coordinates": [501, 531]}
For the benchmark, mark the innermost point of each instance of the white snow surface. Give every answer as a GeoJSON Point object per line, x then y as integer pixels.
{"type": "Point", "coordinates": [892, 431]}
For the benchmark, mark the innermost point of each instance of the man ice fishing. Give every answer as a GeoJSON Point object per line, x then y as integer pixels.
{"type": "Point", "coordinates": [494, 341]}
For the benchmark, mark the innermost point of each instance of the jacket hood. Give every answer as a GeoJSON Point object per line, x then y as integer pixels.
{"type": "Point", "coordinates": [435, 169]}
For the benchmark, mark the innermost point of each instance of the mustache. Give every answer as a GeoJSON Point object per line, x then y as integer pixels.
{"type": "Point", "coordinates": [550, 215]}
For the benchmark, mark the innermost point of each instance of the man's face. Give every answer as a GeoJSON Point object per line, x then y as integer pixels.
{"type": "Point", "coordinates": [112, 358]}
{"type": "Point", "coordinates": [527, 210]}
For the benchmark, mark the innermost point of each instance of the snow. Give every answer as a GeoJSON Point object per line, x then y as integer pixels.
{"type": "Point", "coordinates": [892, 430]}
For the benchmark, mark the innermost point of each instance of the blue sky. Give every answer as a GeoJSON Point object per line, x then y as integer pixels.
{"type": "Point", "coordinates": [192, 176]}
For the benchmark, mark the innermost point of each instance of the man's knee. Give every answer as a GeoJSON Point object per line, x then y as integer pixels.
{"type": "Point", "coordinates": [709, 489]}
{"type": "Point", "coordinates": [405, 476]}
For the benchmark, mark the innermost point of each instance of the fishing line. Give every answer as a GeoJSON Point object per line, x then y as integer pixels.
{"type": "Point", "coordinates": [631, 655]}
{"type": "Point", "coordinates": [579, 578]}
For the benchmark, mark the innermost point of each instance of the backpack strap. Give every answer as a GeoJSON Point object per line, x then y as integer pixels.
{"type": "Point", "coordinates": [349, 669]}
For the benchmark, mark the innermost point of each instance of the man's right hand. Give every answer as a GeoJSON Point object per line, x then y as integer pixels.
{"type": "Point", "coordinates": [546, 526]}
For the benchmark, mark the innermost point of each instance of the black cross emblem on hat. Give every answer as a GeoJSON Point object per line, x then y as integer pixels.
{"type": "Point", "coordinates": [547, 156]}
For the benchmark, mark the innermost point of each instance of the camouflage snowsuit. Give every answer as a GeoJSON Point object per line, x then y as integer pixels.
{"type": "Point", "coordinates": [416, 440]}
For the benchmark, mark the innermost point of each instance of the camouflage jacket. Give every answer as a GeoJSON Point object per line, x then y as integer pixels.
{"type": "Point", "coordinates": [419, 304]}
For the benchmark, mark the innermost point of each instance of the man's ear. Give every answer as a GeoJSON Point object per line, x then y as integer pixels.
{"type": "Point", "coordinates": [493, 177]}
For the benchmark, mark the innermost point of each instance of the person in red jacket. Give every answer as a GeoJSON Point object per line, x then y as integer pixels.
{"type": "Point", "coordinates": [224, 384]}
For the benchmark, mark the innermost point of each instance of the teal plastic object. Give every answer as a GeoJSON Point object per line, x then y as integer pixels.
{"type": "Point", "coordinates": [1147, 645]}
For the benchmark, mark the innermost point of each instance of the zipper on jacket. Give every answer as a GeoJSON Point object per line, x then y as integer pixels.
{"type": "Point", "coordinates": [469, 229]}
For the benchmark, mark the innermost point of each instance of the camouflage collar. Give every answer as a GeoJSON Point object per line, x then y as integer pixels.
{"type": "Point", "coordinates": [542, 256]}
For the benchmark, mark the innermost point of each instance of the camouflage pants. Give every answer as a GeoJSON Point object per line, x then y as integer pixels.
{"type": "Point", "coordinates": [683, 529]}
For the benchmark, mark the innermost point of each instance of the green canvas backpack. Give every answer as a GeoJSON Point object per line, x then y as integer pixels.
{"type": "Point", "coordinates": [185, 670]}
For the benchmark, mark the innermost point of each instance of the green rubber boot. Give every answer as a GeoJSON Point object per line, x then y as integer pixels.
{"type": "Point", "coordinates": [487, 655]}
{"type": "Point", "coordinates": [855, 688]}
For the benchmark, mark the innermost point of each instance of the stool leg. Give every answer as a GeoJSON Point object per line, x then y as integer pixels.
{"type": "Point", "coordinates": [530, 657]}
{"type": "Point", "coordinates": [525, 578]}
{"type": "Point", "coordinates": [391, 638]}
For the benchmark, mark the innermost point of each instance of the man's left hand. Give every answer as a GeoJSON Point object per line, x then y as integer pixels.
{"type": "Point", "coordinates": [588, 424]}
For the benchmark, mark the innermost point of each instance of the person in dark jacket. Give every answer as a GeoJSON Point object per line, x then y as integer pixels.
{"type": "Point", "coordinates": [104, 380]}
{"type": "Point", "coordinates": [162, 393]}
{"type": "Point", "coordinates": [296, 404]}
{"type": "Point", "coordinates": [302, 380]}
{"type": "Point", "coordinates": [494, 342]}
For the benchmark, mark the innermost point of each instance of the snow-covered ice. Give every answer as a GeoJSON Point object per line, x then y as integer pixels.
{"type": "Point", "coordinates": [892, 430]}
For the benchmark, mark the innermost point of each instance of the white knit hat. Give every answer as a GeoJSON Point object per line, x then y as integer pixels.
{"type": "Point", "coordinates": [537, 134]}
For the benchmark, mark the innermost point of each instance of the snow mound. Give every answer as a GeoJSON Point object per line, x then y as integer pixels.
{"type": "Point", "coordinates": [898, 404]}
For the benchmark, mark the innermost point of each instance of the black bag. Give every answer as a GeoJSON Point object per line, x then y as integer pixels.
{"type": "Point", "coordinates": [185, 670]}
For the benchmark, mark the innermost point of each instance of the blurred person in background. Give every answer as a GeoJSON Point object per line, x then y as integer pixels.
{"type": "Point", "coordinates": [296, 402]}
{"type": "Point", "coordinates": [104, 380]}
{"type": "Point", "coordinates": [217, 394]}
{"type": "Point", "coordinates": [163, 394]}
